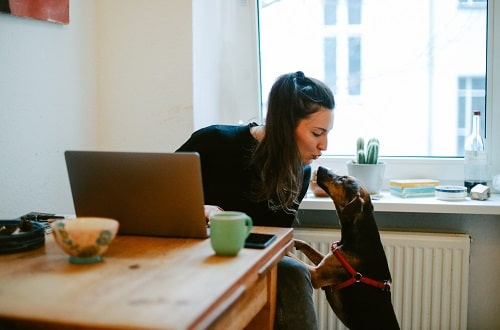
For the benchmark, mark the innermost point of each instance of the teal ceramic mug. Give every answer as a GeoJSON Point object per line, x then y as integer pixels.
{"type": "Point", "coordinates": [228, 231]}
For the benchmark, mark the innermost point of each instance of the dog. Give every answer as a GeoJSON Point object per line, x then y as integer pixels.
{"type": "Point", "coordinates": [354, 275]}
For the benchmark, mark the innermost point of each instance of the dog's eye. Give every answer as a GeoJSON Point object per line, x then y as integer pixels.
{"type": "Point", "coordinates": [340, 179]}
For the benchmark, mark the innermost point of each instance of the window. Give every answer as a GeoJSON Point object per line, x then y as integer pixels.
{"type": "Point", "coordinates": [424, 113]}
{"type": "Point", "coordinates": [354, 56]}
{"type": "Point", "coordinates": [393, 66]}
{"type": "Point", "coordinates": [472, 3]}
{"type": "Point", "coordinates": [330, 12]}
{"type": "Point", "coordinates": [330, 61]}
{"type": "Point", "coordinates": [471, 96]}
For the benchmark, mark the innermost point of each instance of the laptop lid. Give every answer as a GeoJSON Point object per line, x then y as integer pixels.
{"type": "Point", "coordinates": [153, 194]}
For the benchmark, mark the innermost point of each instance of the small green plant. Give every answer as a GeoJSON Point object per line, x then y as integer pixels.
{"type": "Point", "coordinates": [368, 155]}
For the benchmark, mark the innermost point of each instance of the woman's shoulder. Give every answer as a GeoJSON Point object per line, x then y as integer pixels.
{"type": "Point", "coordinates": [219, 135]}
{"type": "Point", "coordinates": [225, 133]}
{"type": "Point", "coordinates": [224, 130]}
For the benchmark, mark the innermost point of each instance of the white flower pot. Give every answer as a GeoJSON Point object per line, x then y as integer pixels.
{"type": "Point", "coordinates": [371, 176]}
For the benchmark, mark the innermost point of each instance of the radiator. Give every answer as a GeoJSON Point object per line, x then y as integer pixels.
{"type": "Point", "coordinates": [430, 275]}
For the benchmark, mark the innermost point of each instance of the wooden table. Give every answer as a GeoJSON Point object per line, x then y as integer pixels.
{"type": "Point", "coordinates": [143, 283]}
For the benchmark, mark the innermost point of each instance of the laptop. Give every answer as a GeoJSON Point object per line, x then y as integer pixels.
{"type": "Point", "coordinates": [151, 194]}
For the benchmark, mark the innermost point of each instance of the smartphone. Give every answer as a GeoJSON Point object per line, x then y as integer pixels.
{"type": "Point", "coordinates": [259, 241]}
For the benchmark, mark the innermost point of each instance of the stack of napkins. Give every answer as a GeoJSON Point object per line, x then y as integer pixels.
{"type": "Point", "coordinates": [413, 187]}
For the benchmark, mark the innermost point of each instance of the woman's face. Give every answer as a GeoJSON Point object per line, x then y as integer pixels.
{"type": "Point", "coordinates": [311, 134]}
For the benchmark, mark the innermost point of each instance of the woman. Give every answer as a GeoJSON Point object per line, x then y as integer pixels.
{"type": "Point", "coordinates": [264, 171]}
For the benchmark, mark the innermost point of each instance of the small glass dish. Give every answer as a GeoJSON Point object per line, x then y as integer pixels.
{"type": "Point", "coordinates": [451, 193]}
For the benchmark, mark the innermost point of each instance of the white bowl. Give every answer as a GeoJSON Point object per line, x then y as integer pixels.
{"type": "Point", "coordinates": [84, 239]}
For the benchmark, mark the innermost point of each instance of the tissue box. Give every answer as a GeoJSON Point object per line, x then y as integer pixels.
{"type": "Point", "coordinates": [480, 192]}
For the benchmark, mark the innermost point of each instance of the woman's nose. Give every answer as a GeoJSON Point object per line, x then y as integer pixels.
{"type": "Point", "coordinates": [323, 144]}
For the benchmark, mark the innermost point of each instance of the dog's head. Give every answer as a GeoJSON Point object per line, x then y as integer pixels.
{"type": "Point", "coordinates": [348, 194]}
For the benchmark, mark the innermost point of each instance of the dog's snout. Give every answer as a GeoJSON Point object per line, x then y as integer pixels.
{"type": "Point", "coordinates": [321, 172]}
{"type": "Point", "coordinates": [324, 174]}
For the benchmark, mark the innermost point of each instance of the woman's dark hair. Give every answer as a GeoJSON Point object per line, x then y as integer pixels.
{"type": "Point", "coordinates": [293, 97]}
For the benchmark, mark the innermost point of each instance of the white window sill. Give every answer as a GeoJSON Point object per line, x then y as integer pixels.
{"type": "Point", "coordinates": [390, 203]}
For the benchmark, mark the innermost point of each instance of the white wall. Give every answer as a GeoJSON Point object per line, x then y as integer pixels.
{"type": "Point", "coordinates": [118, 77]}
{"type": "Point", "coordinates": [47, 105]}
{"type": "Point", "coordinates": [145, 74]}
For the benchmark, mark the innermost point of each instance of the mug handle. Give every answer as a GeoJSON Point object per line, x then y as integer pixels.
{"type": "Point", "coordinates": [248, 225]}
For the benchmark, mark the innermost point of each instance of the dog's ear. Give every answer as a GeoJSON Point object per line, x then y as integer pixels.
{"type": "Point", "coordinates": [355, 206]}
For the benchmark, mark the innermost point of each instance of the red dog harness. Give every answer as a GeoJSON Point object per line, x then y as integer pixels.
{"type": "Point", "coordinates": [355, 276]}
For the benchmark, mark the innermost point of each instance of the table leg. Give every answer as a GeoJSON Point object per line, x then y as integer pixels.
{"type": "Point", "coordinates": [265, 318]}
